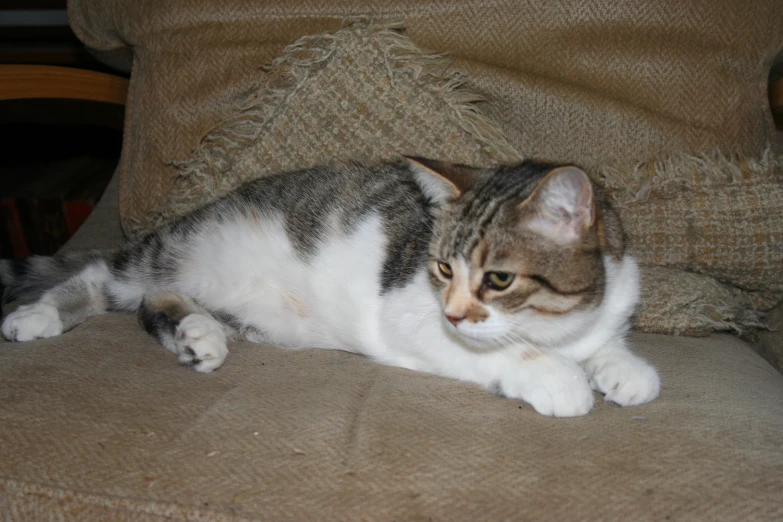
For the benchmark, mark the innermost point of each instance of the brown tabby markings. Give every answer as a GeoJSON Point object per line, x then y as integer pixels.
{"type": "Point", "coordinates": [476, 314]}
{"type": "Point", "coordinates": [255, 219]}
{"type": "Point", "coordinates": [461, 303]}
{"type": "Point", "coordinates": [489, 230]}
{"type": "Point", "coordinates": [516, 298]}
{"type": "Point", "coordinates": [479, 253]}
{"type": "Point", "coordinates": [553, 304]}
{"type": "Point", "coordinates": [436, 281]}
{"type": "Point", "coordinates": [523, 293]}
{"type": "Point", "coordinates": [578, 269]}
{"type": "Point", "coordinates": [175, 306]}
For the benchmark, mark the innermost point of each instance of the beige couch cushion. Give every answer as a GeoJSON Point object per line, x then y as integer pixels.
{"type": "Point", "coordinates": [101, 424]}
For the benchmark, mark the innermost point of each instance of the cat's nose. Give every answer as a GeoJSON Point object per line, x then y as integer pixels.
{"type": "Point", "coordinates": [453, 319]}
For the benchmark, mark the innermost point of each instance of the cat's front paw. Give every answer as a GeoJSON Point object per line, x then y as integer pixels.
{"type": "Point", "coordinates": [623, 378]}
{"type": "Point", "coordinates": [200, 342]}
{"type": "Point", "coordinates": [552, 386]}
{"type": "Point", "coordinates": [35, 321]}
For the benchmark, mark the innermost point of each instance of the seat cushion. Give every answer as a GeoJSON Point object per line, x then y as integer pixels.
{"type": "Point", "coordinates": [101, 423]}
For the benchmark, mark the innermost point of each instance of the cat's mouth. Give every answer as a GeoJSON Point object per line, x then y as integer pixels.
{"type": "Point", "coordinates": [474, 335]}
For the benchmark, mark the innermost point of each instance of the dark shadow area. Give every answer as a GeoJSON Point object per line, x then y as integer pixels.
{"type": "Point", "coordinates": [58, 157]}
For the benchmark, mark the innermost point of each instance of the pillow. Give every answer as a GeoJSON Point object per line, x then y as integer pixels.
{"type": "Point", "coordinates": [364, 93]}
{"type": "Point", "coordinates": [712, 228]}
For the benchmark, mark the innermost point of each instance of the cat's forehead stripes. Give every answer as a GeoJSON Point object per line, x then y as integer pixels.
{"type": "Point", "coordinates": [483, 203]}
{"type": "Point", "coordinates": [479, 253]}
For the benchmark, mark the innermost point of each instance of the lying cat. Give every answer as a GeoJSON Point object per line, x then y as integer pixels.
{"type": "Point", "coordinates": [515, 278]}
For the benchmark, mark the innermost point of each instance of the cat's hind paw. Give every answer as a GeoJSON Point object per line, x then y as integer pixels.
{"type": "Point", "coordinates": [623, 378]}
{"type": "Point", "coordinates": [200, 343]}
{"type": "Point", "coordinates": [35, 321]}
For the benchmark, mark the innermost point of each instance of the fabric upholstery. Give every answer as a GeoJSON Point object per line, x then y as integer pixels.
{"type": "Point", "coordinates": [623, 89]}
{"type": "Point", "coordinates": [613, 83]}
{"type": "Point", "coordinates": [102, 423]}
{"type": "Point", "coordinates": [365, 93]}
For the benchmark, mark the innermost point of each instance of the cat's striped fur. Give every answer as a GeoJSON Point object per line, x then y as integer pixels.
{"type": "Point", "coordinates": [516, 278]}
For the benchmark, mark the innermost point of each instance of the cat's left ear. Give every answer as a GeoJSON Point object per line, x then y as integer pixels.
{"type": "Point", "coordinates": [562, 207]}
{"type": "Point", "coordinates": [442, 181]}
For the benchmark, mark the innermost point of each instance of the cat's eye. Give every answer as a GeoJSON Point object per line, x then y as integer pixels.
{"type": "Point", "coordinates": [498, 280]}
{"type": "Point", "coordinates": [445, 270]}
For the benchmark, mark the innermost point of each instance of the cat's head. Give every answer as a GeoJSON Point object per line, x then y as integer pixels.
{"type": "Point", "coordinates": [517, 251]}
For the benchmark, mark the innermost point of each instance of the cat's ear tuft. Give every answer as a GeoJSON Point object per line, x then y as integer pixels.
{"type": "Point", "coordinates": [442, 181]}
{"type": "Point", "coordinates": [562, 207]}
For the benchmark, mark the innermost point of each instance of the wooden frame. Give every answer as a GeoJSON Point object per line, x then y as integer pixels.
{"type": "Point", "coordinates": [18, 82]}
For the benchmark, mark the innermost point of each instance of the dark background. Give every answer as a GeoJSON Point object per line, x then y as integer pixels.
{"type": "Point", "coordinates": [57, 155]}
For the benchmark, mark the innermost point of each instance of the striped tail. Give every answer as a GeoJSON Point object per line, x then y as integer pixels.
{"type": "Point", "coordinates": [30, 277]}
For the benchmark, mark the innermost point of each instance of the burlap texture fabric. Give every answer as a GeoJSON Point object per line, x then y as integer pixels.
{"type": "Point", "coordinates": [709, 232]}
{"type": "Point", "coordinates": [364, 93]}
{"type": "Point", "coordinates": [101, 424]}
{"type": "Point", "coordinates": [349, 95]}
{"type": "Point", "coordinates": [686, 303]}
{"type": "Point", "coordinates": [708, 214]}
{"type": "Point", "coordinates": [608, 83]}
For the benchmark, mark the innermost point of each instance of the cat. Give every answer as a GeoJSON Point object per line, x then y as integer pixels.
{"type": "Point", "coordinates": [515, 278]}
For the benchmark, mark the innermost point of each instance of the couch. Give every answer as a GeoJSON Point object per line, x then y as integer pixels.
{"type": "Point", "coordinates": [101, 424]}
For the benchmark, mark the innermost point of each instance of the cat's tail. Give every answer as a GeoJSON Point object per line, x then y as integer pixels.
{"type": "Point", "coordinates": [30, 277]}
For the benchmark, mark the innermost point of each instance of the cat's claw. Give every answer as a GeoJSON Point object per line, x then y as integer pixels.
{"type": "Point", "coordinates": [200, 342]}
{"type": "Point", "coordinates": [34, 321]}
{"type": "Point", "coordinates": [623, 378]}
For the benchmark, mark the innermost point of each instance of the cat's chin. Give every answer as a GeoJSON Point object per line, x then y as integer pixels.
{"type": "Point", "coordinates": [479, 341]}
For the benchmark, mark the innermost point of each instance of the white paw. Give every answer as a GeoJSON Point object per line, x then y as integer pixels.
{"type": "Point", "coordinates": [554, 387]}
{"type": "Point", "coordinates": [200, 342]}
{"type": "Point", "coordinates": [623, 378]}
{"type": "Point", "coordinates": [34, 321]}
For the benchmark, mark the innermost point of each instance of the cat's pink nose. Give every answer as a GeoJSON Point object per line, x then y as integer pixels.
{"type": "Point", "coordinates": [453, 319]}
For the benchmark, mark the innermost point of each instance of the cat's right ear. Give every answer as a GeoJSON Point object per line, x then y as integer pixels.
{"type": "Point", "coordinates": [442, 181]}
{"type": "Point", "coordinates": [562, 206]}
